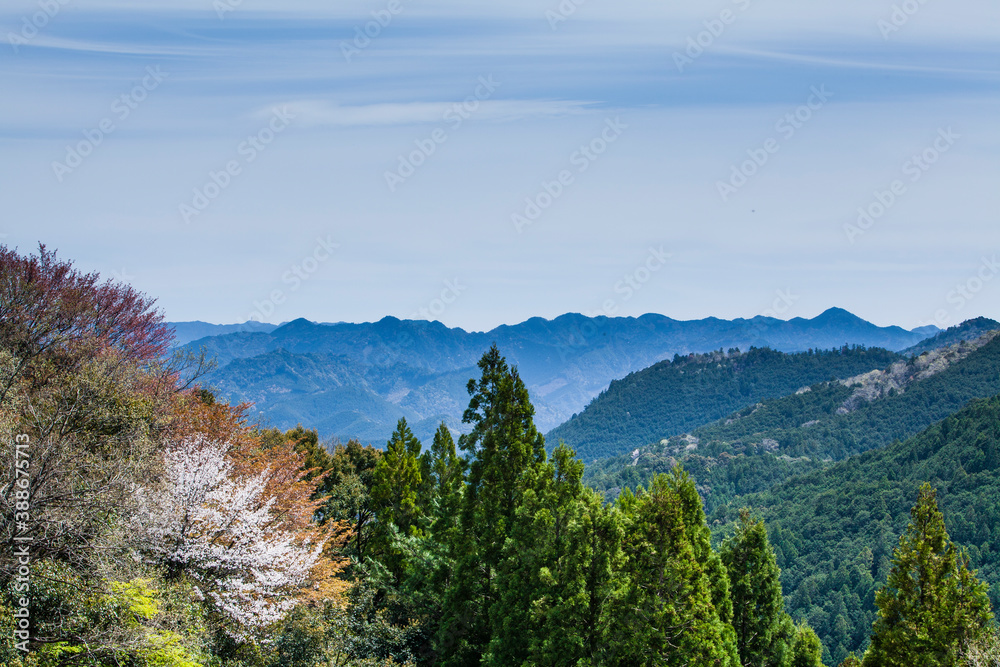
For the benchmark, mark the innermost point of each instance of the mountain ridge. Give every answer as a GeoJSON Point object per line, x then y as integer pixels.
{"type": "Point", "coordinates": [767, 442]}
{"type": "Point", "coordinates": [565, 361]}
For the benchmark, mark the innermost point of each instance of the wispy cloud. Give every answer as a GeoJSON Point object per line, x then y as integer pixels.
{"type": "Point", "coordinates": [323, 113]}
{"type": "Point", "coordinates": [855, 61]}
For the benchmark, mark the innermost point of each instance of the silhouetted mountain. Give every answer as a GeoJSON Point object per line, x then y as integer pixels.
{"type": "Point", "coordinates": [419, 369]}
{"type": "Point", "coordinates": [185, 332]}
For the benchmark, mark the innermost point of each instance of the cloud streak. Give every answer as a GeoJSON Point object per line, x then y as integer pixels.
{"type": "Point", "coordinates": [322, 113]}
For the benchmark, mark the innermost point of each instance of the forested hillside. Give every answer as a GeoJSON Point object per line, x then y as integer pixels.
{"type": "Point", "coordinates": [834, 530]}
{"type": "Point", "coordinates": [967, 330]}
{"type": "Point", "coordinates": [764, 443]}
{"type": "Point", "coordinates": [673, 397]}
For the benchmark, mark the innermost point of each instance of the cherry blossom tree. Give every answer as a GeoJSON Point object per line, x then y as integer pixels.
{"type": "Point", "coordinates": [221, 528]}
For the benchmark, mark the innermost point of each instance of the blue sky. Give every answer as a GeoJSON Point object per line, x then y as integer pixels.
{"type": "Point", "coordinates": [245, 170]}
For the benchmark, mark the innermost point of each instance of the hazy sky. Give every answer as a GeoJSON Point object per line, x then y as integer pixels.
{"type": "Point", "coordinates": [484, 162]}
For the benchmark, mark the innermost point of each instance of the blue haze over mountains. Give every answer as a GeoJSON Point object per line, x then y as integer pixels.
{"type": "Point", "coordinates": [356, 380]}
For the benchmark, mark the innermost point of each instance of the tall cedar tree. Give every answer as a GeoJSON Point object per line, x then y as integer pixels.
{"type": "Point", "coordinates": [395, 488]}
{"type": "Point", "coordinates": [664, 612]}
{"type": "Point", "coordinates": [806, 650]}
{"type": "Point", "coordinates": [763, 629]}
{"type": "Point", "coordinates": [933, 607]}
{"type": "Point", "coordinates": [430, 563]}
{"type": "Point", "coordinates": [447, 478]}
{"type": "Point", "coordinates": [556, 574]}
{"type": "Point", "coordinates": [502, 445]}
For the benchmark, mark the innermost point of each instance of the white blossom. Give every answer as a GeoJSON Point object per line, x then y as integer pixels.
{"type": "Point", "coordinates": [219, 529]}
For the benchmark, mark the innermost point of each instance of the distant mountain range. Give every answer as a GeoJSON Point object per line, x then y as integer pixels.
{"type": "Point", "coordinates": [185, 332]}
{"type": "Point", "coordinates": [355, 380]}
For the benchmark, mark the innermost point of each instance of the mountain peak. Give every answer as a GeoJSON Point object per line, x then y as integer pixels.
{"type": "Point", "coordinates": [297, 326]}
{"type": "Point", "coordinates": [837, 315]}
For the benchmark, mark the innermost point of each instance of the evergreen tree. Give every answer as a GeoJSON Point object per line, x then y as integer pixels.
{"type": "Point", "coordinates": [807, 651]}
{"type": "Point", "coordinates": [664, 612]}
{"type": "Point", "coordinates": [395, 486]}
{"type": "Point", "coordinates": [759, 617]}
{"type": "Point", "coordinates": [415, 601]}
{"type": "Point", "coordinates": [700, 536]}
{"type": "Point", "coordinates": [555, 577]}
{"type": "Point", "coordinates": [429, 557]}
{"type": "Point", "coordinates": [350, 480]}
{"type": "Point", "coordinates": [933, 607]}
{"type": "Point", "coordinates": [447, 479]}
{"type": "Point", "coordinates": [501, 447]}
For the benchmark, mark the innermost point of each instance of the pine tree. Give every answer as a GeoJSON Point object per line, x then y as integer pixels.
{"type": "Point", "coordinates": [432, 561]}
{"type": "Point", "coordinates": [700, 536]}
{"type": "Point", "coordinates": [759, 617]}
{"type": "Point", "coordinates": [501, 447]}
{"type": "Point", "coordinates": [933, 607]}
